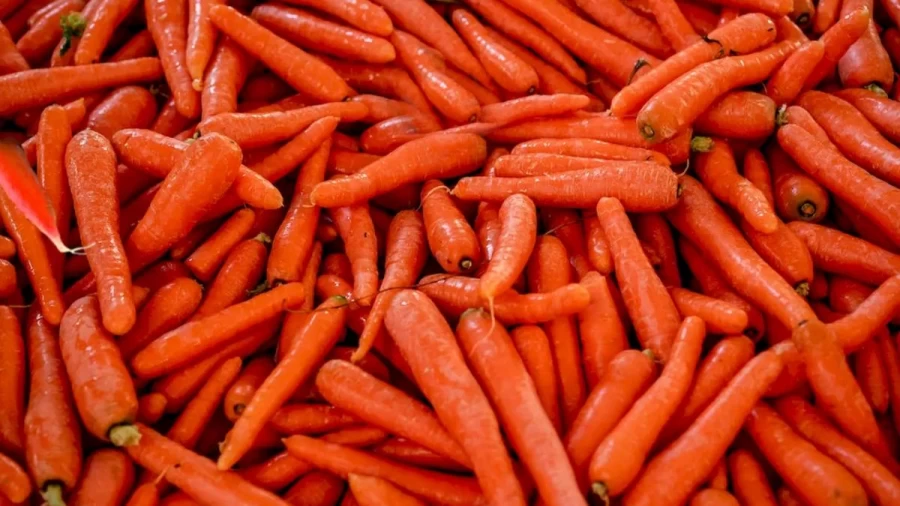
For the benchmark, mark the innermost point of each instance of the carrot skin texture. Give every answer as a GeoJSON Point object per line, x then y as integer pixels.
{"type": "Point", "coordinates": [15, 486]}
{"type": "Point", "coordinates": [12, 392]}
{"type": "Point", "coordinates": [167, 22]}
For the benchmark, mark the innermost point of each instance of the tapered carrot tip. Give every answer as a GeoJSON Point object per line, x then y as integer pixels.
{"type": "Point", "coordinates": [802, 289]}
{"type": "Point", "coordinates": [702, 144]}
{"type": "Point", "coordinates": [599, 489]}
{"type": "Point", "coordinates": [125, 435]}
{"type": "Point", "coordinates": [53, 495]}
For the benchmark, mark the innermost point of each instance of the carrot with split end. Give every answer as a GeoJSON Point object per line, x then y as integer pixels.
{"type": "Point", "coordinates": [167, 308]}
{"type": "Point", "coordinates": [836, 252]}
{"type": "Point", "coordinates": [739, 115]}
{"type": "Point", "coordinates": [743, 35]}
{"type": "Point", "coordinates": [103, 389]}
{"type": "Point", "coordinates": [797, 196]}
{"type": "Point", "coordinates": [649, 305]}
{"type": "Point", "coordinates": [208, 257]}
{"type": "Point", "coordinates": [435, 354]}
{"type": "Point", "coordinates": [651, 190]}
{"type": "Point", "coordinates": [293, 242]}
{"type": "Point", "coordinates": [404, 165]}
{"type": "Point", "coordinates": [527, 108]}
{"type": "Point", "coordinates": [717, 170]}
{"type": "Point", "coordinates": [405, 257]}
{"type": "Point", "coordinates": [97, 34]}
{"type": "Point", "coordinates": [700, 219]}
{"type": "Point", "coordinates": [787, 82]}
{"type": "Point", "coordinates": [167, 21]}
{"type": "Point", "coordinates": [207, 169]}
{"type": "Point", "coordinates": [672, 475]}
{"type": "Point", "coordinates": [91, 171]}
{"type": "Point", "coordinates": [302, 71]}
{"type": "Point", "coordinates": [837, 38]}
{"type": "Point", "coordinates": [589, 148]}
{"type": "Point", "coordinates": [182, 345]}
{"type": "Point", "coordinates": [678, 104]}
{"type": "Point", "coordinates": [226, 74]}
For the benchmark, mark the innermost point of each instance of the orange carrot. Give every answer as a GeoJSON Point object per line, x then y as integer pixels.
{"type": "Point", "coordinates": [840, 253]}
{"type": "Point", "coordinates": [206, 259]}
{"type": "Point", "coordinates": [44, 34]}
{"type": "Point", "coordinates": [167, 308]}
{"type": "Point", "coordinates": [13, 390]}
{"type": "Point", "coordinates": [54, 134]}
{"type": "Point", "coordinates": [672, 23]}
{"type": "Point", "coordinates": [97, 34]}
{"type": "Point", "coordinates": [618, 18]}
{"type": "Point", "coordinates": [837, 39]}
{"type": "Point", "coordinates": [506, 69]}
{"type": "Point", "coordinates": [750, 483]}
{"type": "Point", "coordinates": [151, 407]}
{"type": "Point", "coordinates": [880, 111]}
{"type": "Point", "coordinates": [127, 107]}
{"type": "Point", "coordinates": [167, 21]}
{"type": "Point", "coordinates": [739, 115]}
{"type": "Point", "coordinates": [797, 196]}
{"type": "Point", "coordinates": [534, 349]}
{"type": "Point", "coordinates": [588, 148]}
{"type": "Point", "coordinates": [227, 72]}
{"type": "Point", "coordinates": [787, 82]}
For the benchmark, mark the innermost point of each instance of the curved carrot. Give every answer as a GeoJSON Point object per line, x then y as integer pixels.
{"type": "Point", "coordinates": [580, 188]}
{"type": "Point", "coordinates": [519, 28]}
{"type": "Point", "coordinates": [625, 380]}
{"type": "Point", "coordinates": [226, 74]}
{"type": "Point", "coordinates": [518, 229]}
{"type": "Point", "coordinates": [669, 111]}
{"type": "Point", "coordinates": [797, 196]}
{"type": "Point", "coordinates": [97, 34]}
{"type": "Point", "coordinates": [787, 82]}
{"type": "Point", "coordinates": [534, 349]}
{"type": "Point", "coordinates": [743, 35]}
{"type": "Point", "coordinates": [167, 308]}
{"type": "Point", "coordinates": [750, 483]}
{"type": "Point", "coordinates": [104, 392]}
{"type": "Point", "coordinates": [91, 170]}
{"type": "Point", "coordinates": [717, 170]}
{"type": "Point", "coordinates": [694, 455]}
{"type": "Point", "coordinates": [127, 107]}
{"type": "Point", "coordinates": [739, 115]}
{"type": "Point", "coordinates": [837, 38]}
{"type": "Point", "coordinates": [207, 169]}
{"type": "Point", "coordinates": [299, 69]}
{"type": "Point", "coordinates": [182, 345]}
{"type": "Point", "coordinates": [840, 253]}
{"type": "Point", "coordinates": [434, 350]}
{"type": "Point", "coordinates": [744, 269]}
{"type": "Point", "coordinates": [720, 317]}
{"type": "Point", "coordinates": [167, 21]}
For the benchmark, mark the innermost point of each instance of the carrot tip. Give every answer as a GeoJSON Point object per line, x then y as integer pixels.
{"type": "Point", "coordinates": [802, 289]}
{"type": "Point", "coordinates": [53, 495]}
{"type": "Point", "coordinates": [124, 435]}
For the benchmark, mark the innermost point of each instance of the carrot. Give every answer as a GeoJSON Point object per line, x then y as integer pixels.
{"type": "Point", "coordinates": [381, 80]}
{"type": "Point", "coordinates": [527, 108]}
{"type": "Point", "coordinates": [186, 343]}
{"type": "Point", "coordinates": [891, 359]}
{"type": "Point", "coordinates": [673, 24]}
{"type": "Point", "coordinates": [91, 171]}
{"type": "Point", "coordinates": [7, 248]}
{"type": "Point", "coordinates": [450, 238]}
{"type": "Point", "coordinates": [201, 39]}
{"type": "Point", "coordinates": [858, 327]}
{"type": "Point", "coordinates": [317, 34]}
{"type": "Point", "coordinates": [341, 460]}
{"type": "Point", "coordinates": [878, 110]}
{"type": "Point", "coordinates": [739, 115]}
{"type": "Point", "coordinates": [866, 61]}
{"type": "Point", "coordinates": [382, 108]}
{"type": "Point", "coordinates": [664, 115]}
{"type": "Point", "coordinates": [363, 14]}
{"type": "Point", "coordinates": [519, 28]}
{"type": "Point", "coordinates": [13, 390]}
{"type": "Point", "coordinates": [542, 164]}
{"type": "Point", "coordinates": [797, 196]}
{"type": "Point", "coordinates": [597, 246]}
{"type": "Point", "coordinates": [839, 253]}
{"type": "Point", "coordinates": [144, 495]}
{"type": "Point", "coordinates": [34, 257]}
{"type": "Point", "coordinates": [410, 309]}
{"type": "Point", "coordinates": [404, 165]}
{"type": "Point", "coordinates": [299, 69]}
{"type": "Point", "coordinates": [54, 134]}
{"type": "Point", "coordinates": [694, 455]}
{"type": "Point", "coordinates": [15, 485]}
{"type": "Point", "coordinates": [167, 21]}
{"type": "Point", "coordinates": [717, 170]}
{"type": "Point", "coordinates": [588, 148]}
{"type": "Point", "coordinates": [655, 316]}
{"type": "Point", "coordinates": [11, 60]}
{"type": "Point", "coordinates": [812, 474]}
{"type": "Point", "coordinates": [534, 349]}
{"type": "Point", "coordinates": [743, 268]}
{"type": "Point", "coordinates": [518, 229]}
{"type": "Point", "coordinates": [613, 57]}
{"type": "Point", "coordinates": [127, 107]}
{"type": "Point", "coordinates": [405, 451]}
{"type": "Point", "coordinates": [743, 35]}
{"type": "Point", "coordinates": [169, 307]}
{"type": "Point", "coordinates": [318, 488]}
{"type": "Point", "coordinates": [387, 135]}
{"type": "Point", "coordinates": [618, 18]}
{"type": "Point", "coordinates": [245, 386]}
{"type": "Point", "coordinates": [853, 134]}
{"type": "Point", "coordinates": [355, 226]}
{"type": "Point", "coordinates": [52, 432]}
{"type": "Point", "coordinates": [8, 7]}
{"type": "Point", "coordinates": [720, 317]}
{"type": "Point", "coordinates": [138, 46]}
{"type": "Point", "coordinates": [195, 475]}
{"type": "Point", "coordinates": [104, 393]}
{"type": "Point", "coordinates": [377, 492]}
{"type": "Point", "coordinates": [787, 82]}
{"type": "Point", "coordinates": [837, 38]}
{"type": "Point", "coordinates": [238, 276]}
{"type": "Point", "coordinates": [38, 42]}
{"type": "Point", "coordinates": [625, 380]}
{"type": "Point", "coordinates": [603, 334]}
{"type": "Point", "coordinates": [151, 407]}
{"type": "Point", "coordinates": [209, 180]}
{"type": "Point", "coordinates": [879, 482]}
{"type": "Point", "coordinates": [206, 259]}
{"type": "Point", "coordinates": [713, 497]}
{"type": "Point", "coordinates": [405, 257]}
{"type": "Point", "coordinates": [580, 188]}
{"type": "Point", "coordinates": [227, 71]}
{"type": "Point", "coordinates": [749, 480]}
{"type": "Point", "coordinates": [107, 16]}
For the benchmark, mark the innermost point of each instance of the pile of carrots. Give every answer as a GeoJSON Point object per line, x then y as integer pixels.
{"type": "Point", "coordinates": [480, 252]}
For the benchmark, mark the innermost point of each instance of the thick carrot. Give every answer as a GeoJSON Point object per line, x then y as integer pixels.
{"type": "Point", "coordinates": [450, 238]}
{"type": "Point", "coordinates": [717, 170]}
{"type": "Point", "coordinates": [597, 246]}
{"type": "Point", "coordinates": [435, 350]}
{"type": "Point", "coordinates": [226, 74]}
{"type": "Point", "coordinates": [873, 197]}
{"type": "Point", "coordinates": [684, 99]}
{"type": "Point", "coordinates": [836, 252]}
{"type": "Point", "coordinates": [691, 458]}
{"type": "Point", "coordinates": [739, 115]}
{"type": "Point", "coordinates": [186, 343]}
{"type": "Point", "coordinates": [787, 82]}
{"type": "Point", "coordinates": [650, 190]}
{"type": "Point", "coordinates": [837, 38]}
{"type": "Point", "coordinates": [167, 21]}
{"type": "Point", "coordinates": [316, 488]}
{"type": "Point", "coordinates": [97, 34]}
{"type": "Point", "coordinates": [127, 107]}
{"type": "Point", "coordinates": [699, 218]}
{"type": "Point", "coordinates": [743, 35]}
{"type": "Point", "coordinates": [245, 386]}
{"type": "Point", "coordinates": [404, 165]}
{"type": "Point", "coordinates": [673, 24]}
{"type": "Point", "coordinates": [602, 331]}
{"type": "Point", "coordinates": [151, 407]}
{"type": "Point", "coordinates": [302, 71]}
{"type": "Point", "coordinates": [797, 196]}
{"type": "Point", "coordinates": [91, 171]}
{"type": "Point", "coordinates": [589, 148]}
{"type": "Point", "coordinates": [104, 392]}
{"type": "Point", "coordinates": [207, 170]}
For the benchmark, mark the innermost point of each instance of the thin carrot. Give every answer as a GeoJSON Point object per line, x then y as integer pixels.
{"type": "Point", "coordinates": [127, 107]}
{"type": "Point", "coordinates": [582, 188]}
{"type": "Point", "coordinates": [15, 485]}
{"type": "Point", "coordinates": [743, 35]}
{"type": "Point", "coordinates": [840, 253]}
{"type": "Point", "coordinates": [355, 226]}
{"type": "Point", "coordinates": [138, 46]}
{"type": "Point", "coordinates": [720, 317]}
{"type": "Point", "coordinates": [436, 350]}
{"type": "Point", "coordinates": [97, 34]}
{"type": "Point", "coordinates": [201, 39]}
{"type": "Point", "coordinates": [542, 164]}
{"type": "Point", "coordinates": [167, 21]}
{"type": "Point", "coordinates": [837, 38]}
{"type": "Point", "coordinates": [245, 386]}
{"type": "Point", "coordinates": [377, 492]}
{"type": "Point", "coordinates": [38, 42]}
{"type": "Point", "coordinates": [518, 229]}
{"type": "Point", "coordinates": [826, 14]}
{"type": "Point", "coordinates": [91, 171]}
{"type": "Point", "coordinates": [206, 259]}
{"type": "Point", "coordinates": [11, 60]}
{"type": "Point", "coordinates": [226, 74]}
{"type": "Point", "coordinates": [381, 80]}
{"type": "Point", "coordinates": [167, 308]}
{"type": "Point", "coordinates": [892, 367]}
{"type": "Point", "coordinates": [301, 70]}
{"type": "Point", "coordinates": [672, 23]}
{"type": "Point", "coordinates": [186, 343]}
{"type": "Point", "coordinates": [362, 14]}
{"type": "Point", "coordinates": [787, 82]}
{"type": "Point", "coordinates": [739, 115]}
{"type": "Point", "coordinates": [504, 66]}
{"type": "Point", "coordinates": [144, 495]}
{"type": "Point", "coordinates": [693, 455]}
{"type": "Point", "coordinates": [534, 349]}
{"type": "Point", "coordinates": [527, 108]}
{"type": "Point", "coordinates": [104, 392]}
{"type": "Point", "coordinates": [13, 375]}
{"type": "Point", "coordinates": [749, 480]}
